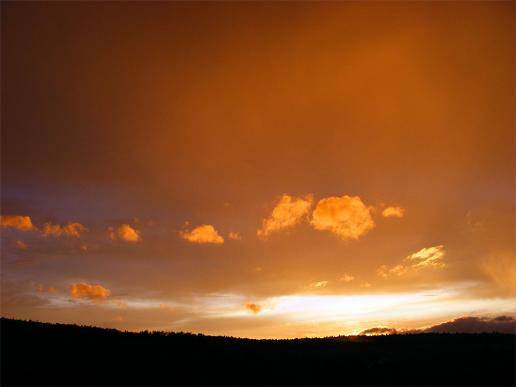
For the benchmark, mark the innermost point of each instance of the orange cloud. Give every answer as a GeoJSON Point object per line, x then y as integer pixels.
{"type": "Point", "coordinates": [253, 308]}
{"type": "Point", "coordinates": [71, 229]}
{"type": "Point", "coordinates": [393, 212]}
{"type": "Point", "coordinates": [205, 233]}
{"type": "Point", "coordinates": [320, 284]}
{"type": "Point", "coordinates": [125, 232]}
{"type": "Point", "coordinates": [91, 292]}
{"type": "Point", "coordinates": [234, 236]}
{"type": "Point", "coordinates": [288, 212]}
{"type": "Point", "coordinates": [347, 278]}
{"type": "Point", "coordinates": [46, 289]}
{"type": "Point", "coordinates": [21, 245]}
{"type": "Point", "coordinates": [22, 223]}
{"type": "Point", "coordinates": [426, 257]}
{"type": "Point", "coordinates": [346, 216]}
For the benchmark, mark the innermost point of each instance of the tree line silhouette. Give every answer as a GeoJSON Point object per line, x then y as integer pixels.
{"type": "Point", "coordinates": [34, 353]}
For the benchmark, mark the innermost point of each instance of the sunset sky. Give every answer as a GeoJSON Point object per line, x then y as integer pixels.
{"type": "Point", "coordinates": [257, 169]}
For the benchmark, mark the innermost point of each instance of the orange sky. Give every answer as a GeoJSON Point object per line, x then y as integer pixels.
{"type": "Point", "coordinates": [257, 169]}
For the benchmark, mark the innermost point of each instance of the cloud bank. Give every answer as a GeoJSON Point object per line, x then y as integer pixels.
{"type": "Point", "coordinates": [500, 324]}
{"type": "Point", "coordinates": [71, 229]}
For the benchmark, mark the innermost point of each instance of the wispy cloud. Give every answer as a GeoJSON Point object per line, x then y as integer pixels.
{"type": "Point", "coordinates": [347, 278]}
{"type": "Point", "coordinates": [426, 257]}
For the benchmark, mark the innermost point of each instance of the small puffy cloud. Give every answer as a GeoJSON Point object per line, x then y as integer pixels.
{"type": "Point", "coordinates": [288, 212]}
{"type": "Point", "coordinates": [319, 284]}
{"type": "Point", "coordinates": [234, 236]}
{"type": "Point", "coordinates": [21, 245]}
{"type": "Point", "coordinates": [347, 278]}
{"type": "Point", "coordinates": [378, 331]}
{"type": "Point", "coordinates": [500, 324]}
{"type": "Point", "coordinates": [125, 232]}
{"type": "Point", "coordinates": [205, 233]}
{"type": "Point", "coordinates": [346, 216]}
{"type": "Point", "coordinates": [18, 222]}
{"type": "Point", "coordinates": [426, 257]}
{"type": "Point", "coordinates": [71, 229]}
{"type": "Point", "coordinates": [253, 308]}
{"type": "Point", "coordinates": [393, 212]}
{"type": "Point", "coordinates": [90, 292]}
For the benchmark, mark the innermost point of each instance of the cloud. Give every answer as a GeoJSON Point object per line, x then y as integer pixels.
{"type": "Point", "coordinates": [21, 245]}
{"type": "Point", "coordinates": [46, 289]}
{"type": "Point", "coordinates": [71, 229]}
{"type": "Point", "coordinates": [426, 257]}
{"type": "Point", "coordinates": [320, 284]}
{"type": "Point", "coordinates": [346, 216]}
{"type": "Point", "coordinates": [234, 236]}
{"type": "Point", "coordinates": [87, 291]}
{"type": "Point", "coordinates": [125, 232]}
{"type": "Point", "coordinates": [205, 233]}
{"type": "Point", "coordinates": [253, 308]}
{"type": "Point", "coordinates": [288, 212]}
{"type": "Point", "coordinates": [500, 324]}
{"type": "Point", "coordinates": [18, 222]}
{"type": "Point", "coordinates": [398, 270]}
{"type": "Point", "coordinates": [377, 331]}
{"type": "Point", "coordinates": [347, 278]}
{"type": "Point", "coordinates": [393, 212]}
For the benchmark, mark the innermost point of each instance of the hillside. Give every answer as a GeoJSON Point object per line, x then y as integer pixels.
{"type": "Point", "coordinates": [36, 353]}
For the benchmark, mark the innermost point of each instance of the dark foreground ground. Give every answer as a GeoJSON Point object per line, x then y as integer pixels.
{"type": "Point", "coordinates": [53, 354]}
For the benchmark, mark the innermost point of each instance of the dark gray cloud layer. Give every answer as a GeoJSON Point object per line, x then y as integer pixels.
{"type": "Point", "coordinates": [500, 324]}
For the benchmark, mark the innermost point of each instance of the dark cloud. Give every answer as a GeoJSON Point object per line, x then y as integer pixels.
{"type": "Point", "coordinates": [378, 331]}
{"type": "Point", "coordinates": [500, 324]}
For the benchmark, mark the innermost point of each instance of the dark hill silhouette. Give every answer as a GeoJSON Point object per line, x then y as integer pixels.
{"type": "Point", "coordinates": [34, 353]}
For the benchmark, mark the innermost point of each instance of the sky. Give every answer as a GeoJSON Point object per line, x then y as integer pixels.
{"type": "Point", "coordinates": [264, 170]}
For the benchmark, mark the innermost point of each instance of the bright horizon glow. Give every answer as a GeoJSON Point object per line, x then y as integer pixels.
{"type": "Point", "coordinates": [325, 314]}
